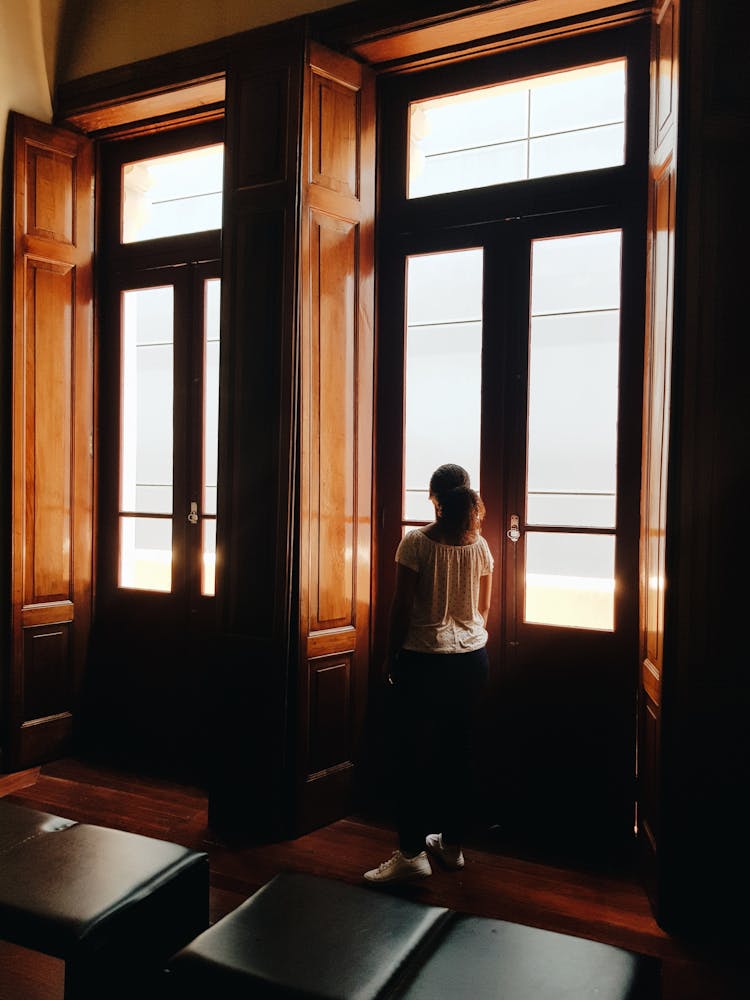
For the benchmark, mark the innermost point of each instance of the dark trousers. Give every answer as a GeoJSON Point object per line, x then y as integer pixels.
{"type": "Point", "coordinates": [435, 701]}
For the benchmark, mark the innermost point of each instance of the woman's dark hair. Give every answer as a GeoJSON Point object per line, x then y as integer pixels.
{"type": "Point", "coordinates": [460, 508]}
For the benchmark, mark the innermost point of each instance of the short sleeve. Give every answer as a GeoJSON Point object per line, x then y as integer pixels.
{"type": "Point", "coordinates": [407, 553]}
{"type": "Point", "coordinates": [489, 562]}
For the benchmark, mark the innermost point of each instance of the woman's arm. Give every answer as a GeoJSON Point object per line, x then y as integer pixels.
{"type": "Point", "coordinates": [401, 608]}
{"type": "Point", "coordinates": [485, 593]}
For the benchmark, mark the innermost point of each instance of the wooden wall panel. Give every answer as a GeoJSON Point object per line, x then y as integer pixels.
{"type": "Point", "coordinates": [47, 675]}
{"type": "Point", "coordinates": [334, 140]}
{"type": "Point", "coordinates": [254, 386]}
{"type": "Point", "coordinates": [665, 80]}
{"type": "Point", "coordinates": [262, 141]}
{"type": "Point", "coordinates": [52, 438]}
{"type": "Point", "coordinates": [336, 419]}
{"type": "Point", "coordinates": [333, 456]}
{"type": "Point", "coordinates": [50, 205]}
{"type": "Point", "coordinates": [257, 377]}
{"type": "Point", "coordinates": [705, 703]}
{"type": "Point", "coordinates": [656, 424]}
{"type": "Point", "coordinates": [655, 445]}
{"type": "Point", "coordinates": [252, 656]}
{"type": "Point", "coordinates": [330, 713]}
{"type": "Point", "coordinates": [49, 395]}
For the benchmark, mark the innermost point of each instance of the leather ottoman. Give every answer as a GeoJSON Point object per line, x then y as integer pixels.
{"type": "Point", "coordinates": [113, 905]}
{"type": "Point", "coordinates": [304, 936]}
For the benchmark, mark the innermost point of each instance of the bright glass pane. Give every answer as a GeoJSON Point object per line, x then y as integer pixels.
{"type": "Point", "coordinates": [147, 353]}
{"type": "Point", "coordinates": [208, 561]}
{"type": "Point", "coordinates": [573, 381]}
{"type": "Point", "coordinates": [146, 553]}
{"type": "Point", "coordinates": [485, 165]}
{"type": "Point", "coordinates": [570, 580]}
{"type": "Point", "coordinates": [577, 99]}
{"type": "Point", "coordinates": [212, 293]}
{"type": "Point", "coordinates": [576, 274]}
{"type": "Point", "coordinates": [571, 152]}
{"type": "Point", "coordinates": [171, 195]}
{"type": "Point", "coordinates": [443, 371]}
{"type": "Point", "coordinates": [547, 125]}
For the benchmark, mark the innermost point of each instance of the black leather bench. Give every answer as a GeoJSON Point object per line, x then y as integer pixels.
{"type": "Point", "coordinates": [306, 936]}
{"type": "Point", "coordinates": [113, 905]}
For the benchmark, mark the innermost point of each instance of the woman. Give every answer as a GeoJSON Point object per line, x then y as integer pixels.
{"type": "Point", "coordinates": [437, 664]}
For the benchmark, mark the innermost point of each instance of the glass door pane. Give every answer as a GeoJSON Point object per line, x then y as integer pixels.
{"type": "Point", "coordinates": [443, 377]}
{"type": "Point", "coordinates": [211, 309]}
{"type": "Point", "coordinates": [146, 438]}
{"type": "Point", "coordinates": [571, 473]}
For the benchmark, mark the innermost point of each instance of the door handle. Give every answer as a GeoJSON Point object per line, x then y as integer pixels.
{"type": "Point", "coordinates": [514, 531]}
{"type": "Point", "coordinates": [193, 515]}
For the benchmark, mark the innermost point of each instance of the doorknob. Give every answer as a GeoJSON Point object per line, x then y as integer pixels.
{"type": "Point", "coordinates": [514, 531]}
{"type": "Point", "coordinates": [193, 515]}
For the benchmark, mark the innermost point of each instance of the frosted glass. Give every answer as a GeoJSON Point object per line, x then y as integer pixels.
{"type": "Point", "coordinates": [444, 287]}
{"type": "Point", "coordinates": [576, 273]}
{"type": "Point", "coordinates": [570, 152]}
{"type": "Point", "coordinates": [210, 393]}
{"type": "Point", "coordinates": [474, 118]}
{"type": "Point", "coordinates": [146, 553]}
{"type": "Point", "coordinates": [146, 434]}
{"type": "Point", "coordinates": [172, 195]}
{"type": "Point", "coordinates": [578, 99]}
{"type": "Point", "coordinates": [443, 372]}
{"type": "Point", "coordinates": [559, 123]}
{"type": "Point", "coordinates": [485, 166]}
{"type": "Point", "coordinates": [152, 499]}
{"type": "Point", "coordinates": [572, 429]}
{"type": "Point", "coordinates": [208, 560]}
{"type": "Point", "coordinates": [572, 422]}
{"type": "Point", "coordinates": [570, 580]}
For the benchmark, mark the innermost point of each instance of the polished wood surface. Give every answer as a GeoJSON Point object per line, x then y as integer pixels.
{"type": "Point", "coordinates": [656, 409]}
{"type": "Point", "coordinates": [704, 761]}
{"type": "Point", "coordinates": [448, 31]}
{"type": "Point", "coordinates": [336, 417]}
{"type": "Point", "coordinates": [52, 437]}
{"type": "Point", "coordinates": [257, 434]}
{"type": "Point", "coordinates": [607, 906]}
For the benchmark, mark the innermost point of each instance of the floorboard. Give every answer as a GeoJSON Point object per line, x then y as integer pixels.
{"type": "Point", "coordinates": [604, 906]}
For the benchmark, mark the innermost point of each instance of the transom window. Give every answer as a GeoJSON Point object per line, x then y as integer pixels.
{"type": "Point", "coordinates": [558, 123]}
{"type": "Point", "coordinates": [171, 195]}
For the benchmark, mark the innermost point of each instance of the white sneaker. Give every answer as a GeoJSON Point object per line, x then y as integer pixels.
{"type": "Point", "coordinates": [451, 857]}
{"type": "Point", "coordinates": [399, 868]}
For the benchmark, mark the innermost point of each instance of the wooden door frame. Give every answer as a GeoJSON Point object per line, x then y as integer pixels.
{"type": "Point", "coordinates": [400, 220]}
{"type": "Point", "coordinates": [430, 224]}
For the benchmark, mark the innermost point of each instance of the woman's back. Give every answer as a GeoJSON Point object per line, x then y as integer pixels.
{"type": "Point", "coordinates": [445, 615]}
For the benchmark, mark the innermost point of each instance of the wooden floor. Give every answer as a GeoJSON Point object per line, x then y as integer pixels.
{"type": "Point", "coordinates": [611, 907]}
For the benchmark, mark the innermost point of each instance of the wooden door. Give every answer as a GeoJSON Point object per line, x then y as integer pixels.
{"type": "Point", "coordinates": [562, 734]}
{"type": "Point", "coordinates": [52, 438]}
{"type": "Point", "coordinates": [336, 401]}
{"type": "Point", "coordinates": [538, 339]}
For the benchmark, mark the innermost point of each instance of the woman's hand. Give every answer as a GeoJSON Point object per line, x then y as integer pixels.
{"type": "Point", "coordinates": [389, 666]}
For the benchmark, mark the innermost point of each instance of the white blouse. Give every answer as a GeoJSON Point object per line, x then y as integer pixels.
{"type": "Point", "coordinates": [445, 616]}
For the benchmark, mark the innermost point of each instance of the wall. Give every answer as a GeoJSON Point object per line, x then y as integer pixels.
{"type": "Point", "coordinates": [28, 55]}
{"type": "Point", "coordinates": [28, 48]}
{"type": "Point", "coordinates": [27, 58]}
{"type": "Point", "coordinates": [101, 34]}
